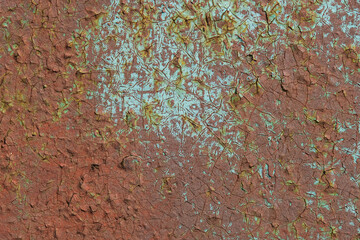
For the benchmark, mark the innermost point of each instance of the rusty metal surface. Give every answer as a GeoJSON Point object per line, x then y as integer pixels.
{"type": "Point", "coordinates": [179, 119]}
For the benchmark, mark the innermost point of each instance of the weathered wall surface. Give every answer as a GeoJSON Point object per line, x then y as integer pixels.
{"type": "Point", "coordinates": [179, 119]}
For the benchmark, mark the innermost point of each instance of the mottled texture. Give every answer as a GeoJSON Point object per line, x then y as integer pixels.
{"type": "Point", "coordinates": [179, 119]}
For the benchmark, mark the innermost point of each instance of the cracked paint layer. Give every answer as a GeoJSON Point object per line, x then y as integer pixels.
{"type": "Point", "coordinates": [179, 119]}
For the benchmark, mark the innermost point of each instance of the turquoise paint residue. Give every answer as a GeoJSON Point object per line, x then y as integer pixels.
{"type": "Point", "coordinates": [350, 207]}
{"type": "Point", "coordinates": [260, 171]}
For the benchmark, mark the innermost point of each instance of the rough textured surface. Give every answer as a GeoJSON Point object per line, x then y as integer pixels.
{"type": "Point", "coordinates": [179, 119]}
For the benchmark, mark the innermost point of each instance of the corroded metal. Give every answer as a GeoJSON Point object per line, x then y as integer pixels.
{"type": "Point", "coordinates": [179, 119]}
